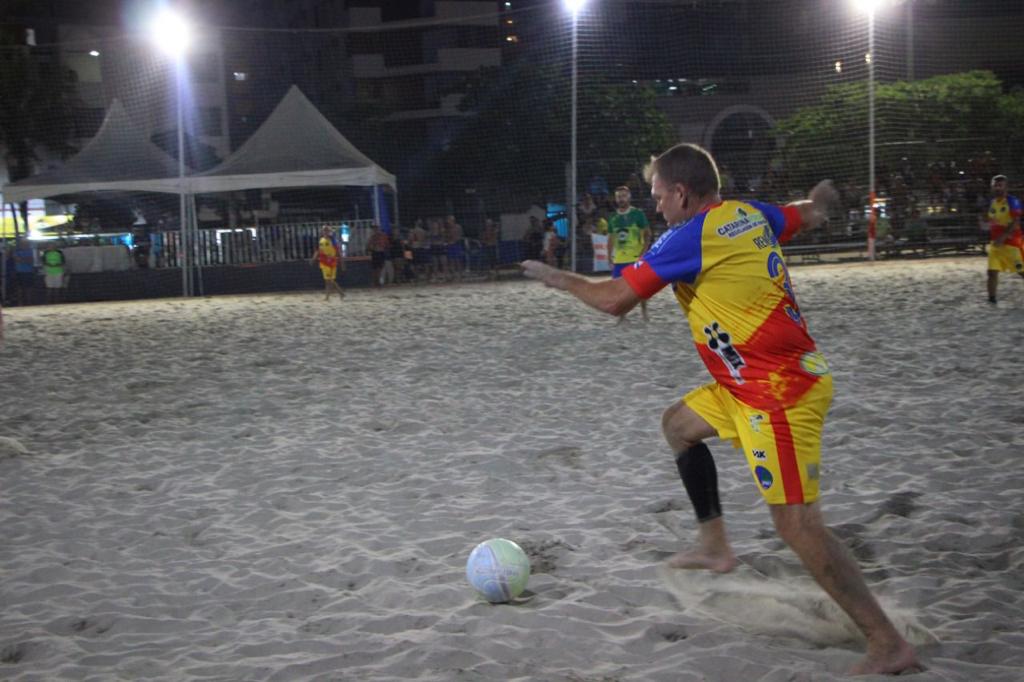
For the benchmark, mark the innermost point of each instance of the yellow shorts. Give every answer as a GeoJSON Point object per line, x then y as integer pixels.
{"type": "Point", "coordinates": [783, 447]}
{"type": "Point", "coordinates": [1005, 258]}
{"type": "Point", "coordinates": [329, 273]}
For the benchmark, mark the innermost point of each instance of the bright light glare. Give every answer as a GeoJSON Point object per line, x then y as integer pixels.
{"type": "Point", "coordinates": [94, 53]}
{"type": "Point", "coordinates": [171, 32]}
{"type": "Point", "coordinates": [574, 6]}
{"type": "Point", "coordinates": [868, 6]}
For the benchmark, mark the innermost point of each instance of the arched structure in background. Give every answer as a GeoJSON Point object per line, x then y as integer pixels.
{"type": "Point", "coordinates": [740, 139]}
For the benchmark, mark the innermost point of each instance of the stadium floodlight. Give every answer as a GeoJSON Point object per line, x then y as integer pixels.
{"type": "Point", "coordinates": [574, 6]}
{"type": "Point", "coordinates": [868, 6]}
{"type": "Point", "coordinates": [170, 32]}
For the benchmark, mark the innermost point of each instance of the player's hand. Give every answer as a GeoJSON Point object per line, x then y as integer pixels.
{"type": "Point", "coordinates": [534, 269]}
{"type": "Point", "coordinates": [820, 198]}
{"type": "Point", "coordinates": [824, 194]}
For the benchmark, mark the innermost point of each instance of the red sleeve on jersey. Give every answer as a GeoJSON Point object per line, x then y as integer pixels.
{"type": "Point", "coordinates": [642, 279]}
{"type": "Point", "coordinates": [793, 223]}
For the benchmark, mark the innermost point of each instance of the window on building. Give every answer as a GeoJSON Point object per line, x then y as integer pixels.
{"type": "Point", "coordinates": [403, 48]}
{"type": "Point", "coordinates": [365, 43]}
{"type": "Point", "coordinates": [477, 36]}
{"type": "Point", "coordinates": [86, 67]}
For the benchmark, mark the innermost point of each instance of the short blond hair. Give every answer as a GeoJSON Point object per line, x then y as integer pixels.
{"type": "Point", "coordinates": [689, 165]}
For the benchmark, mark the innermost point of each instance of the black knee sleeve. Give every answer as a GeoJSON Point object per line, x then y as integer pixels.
{"type": "Point", "coordinates": [700, 478]}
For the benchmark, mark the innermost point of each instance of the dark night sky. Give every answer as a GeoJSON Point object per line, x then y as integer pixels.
{"type": "Point", "coordinates": [261, 12]}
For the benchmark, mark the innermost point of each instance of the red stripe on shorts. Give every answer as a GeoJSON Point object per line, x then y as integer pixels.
{"type": "Point", "coordinates": [788, 465]}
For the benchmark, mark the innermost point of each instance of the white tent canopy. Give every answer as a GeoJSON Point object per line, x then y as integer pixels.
{"type": "Point", "coordinates": [295, 147]}
{"type": "Point", "coordinates": [119, 157]}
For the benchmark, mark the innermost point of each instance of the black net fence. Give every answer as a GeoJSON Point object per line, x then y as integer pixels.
{"type": "Point", "coordinates": [451, 126]}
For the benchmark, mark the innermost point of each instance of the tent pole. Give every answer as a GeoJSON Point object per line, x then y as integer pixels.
{"type": "Point", "coordinates": [376, 204]}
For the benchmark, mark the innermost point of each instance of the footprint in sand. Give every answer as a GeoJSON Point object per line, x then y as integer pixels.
{"type": "Point", "coordinates": [790, 608]}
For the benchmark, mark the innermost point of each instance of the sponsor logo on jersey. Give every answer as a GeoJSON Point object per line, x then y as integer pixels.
{"type": "Point", "coordinates": [719, 341]}
{"type": "Point", "coordinates": [759, 455]}
{"type": "Point", "coordinates": [743, 224]}
{"type": "Point", "coordinates": [766, 239]}
{"type": "Point", "coordinates": [660, 241]}
{"type": "Point", "coordinates": [814, 363]}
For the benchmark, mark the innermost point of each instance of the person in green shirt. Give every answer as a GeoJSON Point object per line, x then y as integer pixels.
{"type": "Point", "coordinates": [629, 235]}
{"type": "Point", "coordinates": [53, 272]}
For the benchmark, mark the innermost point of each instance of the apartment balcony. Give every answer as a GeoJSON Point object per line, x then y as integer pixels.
{"type": "Point", "coordinates": [457, 13]}
{"type": "Point", "coordinates": [448, 60]}
{"type": "Point", "coordinates": [448, 107]}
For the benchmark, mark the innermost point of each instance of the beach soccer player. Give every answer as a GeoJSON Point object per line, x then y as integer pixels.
{"type": "Point", "coordinates": [1005, 246]}
{"type": "Point", "coordinates": [771, 386]}
{"type": "Point", "coordinates": [328, 257]}
{"type": "Point", "coordinates": [54, 273]}
{"type": "Point", "coordinates": [630, 235]}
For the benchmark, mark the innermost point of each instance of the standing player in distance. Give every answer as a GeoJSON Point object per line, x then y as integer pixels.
{"type": "Point", "coordinates": [54, 273]}
{"type": "Point", "coordinates": [629, 236]}
{"type": "Point", "coordinates": [328, 256]}
{"type": "Point", "coordinates": [1005, 247]}
{"type": "Point", "coordinates": [771, 386]}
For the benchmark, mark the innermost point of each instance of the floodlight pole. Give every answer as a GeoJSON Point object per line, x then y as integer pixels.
{"type": "Point", "coordinates": [186, 272]}
{"type": "Point", "coordinates": [910, 40]}
{"type": "Point", "coordinates": [872, 216]}
{"type": "Point", "coordinates": [572, 153]}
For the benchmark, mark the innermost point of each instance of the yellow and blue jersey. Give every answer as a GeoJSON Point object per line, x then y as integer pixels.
{"type": "Point", "coordinates": [727, 271]}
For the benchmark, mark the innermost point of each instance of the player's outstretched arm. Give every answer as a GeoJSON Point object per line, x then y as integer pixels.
{"type": "Point", "coordinates": [814, 209]}
{"type": "Point", "coordinates": [614, 296]}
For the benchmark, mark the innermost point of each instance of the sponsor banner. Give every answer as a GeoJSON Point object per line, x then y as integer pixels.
{"type": "Point", "coordinates": [601, 263]}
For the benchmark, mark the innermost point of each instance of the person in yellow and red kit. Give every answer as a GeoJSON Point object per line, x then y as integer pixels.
{"type": "Point", "coordinates": [771, 386]}
{"type": "Point", "coordinates": [328, 256]}
{"type": "Point", "coordinates": [1005, 246]}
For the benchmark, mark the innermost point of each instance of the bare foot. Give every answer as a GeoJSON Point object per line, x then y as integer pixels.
{"type": "Point", "coordinates": [897, 660]}
{"type": "Point", "coordinates": [701, 558]}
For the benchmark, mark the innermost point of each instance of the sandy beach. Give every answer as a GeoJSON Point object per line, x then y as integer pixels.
{"type": "Point", "coordinates": [281, 488]}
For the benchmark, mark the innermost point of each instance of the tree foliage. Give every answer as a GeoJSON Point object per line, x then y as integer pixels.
{"type": "Point", "coordinates": [36, 109]}
{"type": "Point", "coordinates": [514, 146]}
{"type": "Point", "coordinates": [944, 117]}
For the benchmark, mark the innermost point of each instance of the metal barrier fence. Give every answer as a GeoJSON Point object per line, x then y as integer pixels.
{"type": "Point", "coordinates": [298, 241]}
{"type": "Point", "coordinates": [253, 245]}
